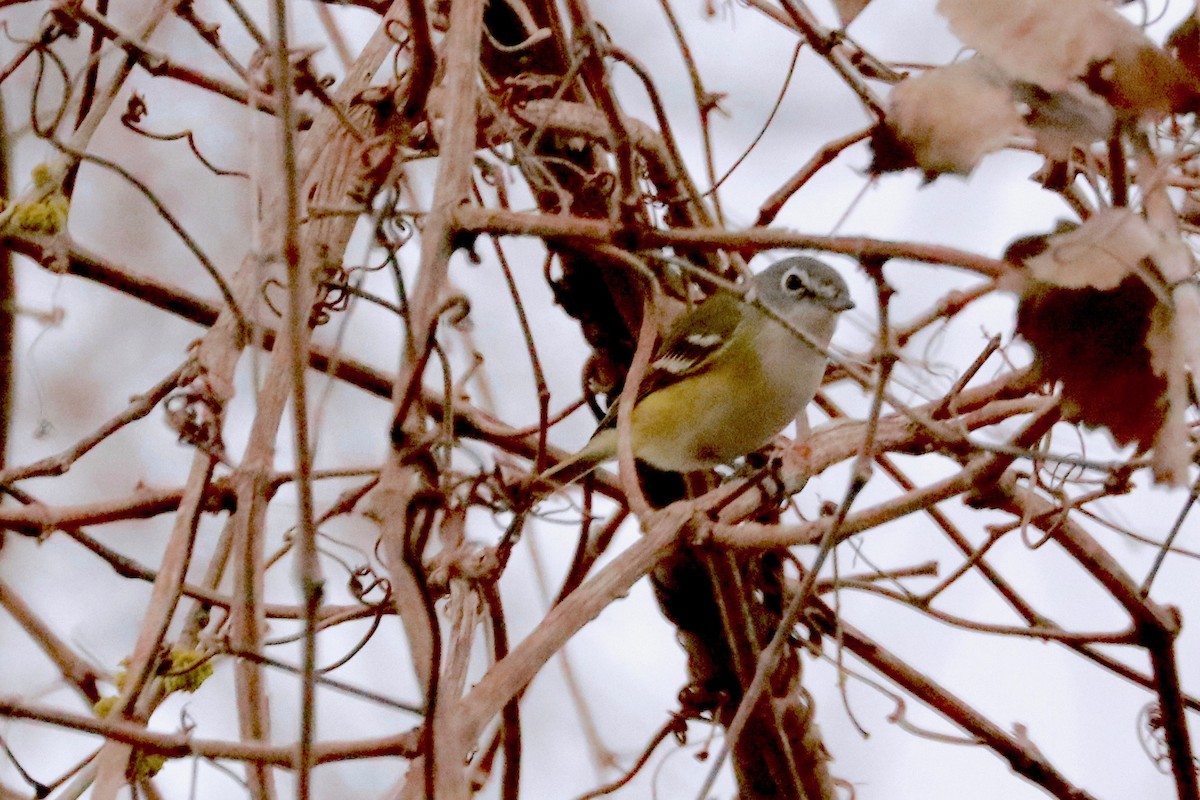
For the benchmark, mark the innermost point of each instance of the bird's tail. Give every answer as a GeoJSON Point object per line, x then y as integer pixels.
{"type": "Point", "coordinates": [601, 448]}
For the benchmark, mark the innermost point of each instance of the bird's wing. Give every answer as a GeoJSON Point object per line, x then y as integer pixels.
{"type": "Point", "coordinates": [689, 346]}
{"type": "Point", "coordinates": [696, 338]}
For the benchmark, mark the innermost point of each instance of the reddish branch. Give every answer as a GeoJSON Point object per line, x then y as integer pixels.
{"type": "Point", "coordinates": [1025, 760]}
{"type": "Point", "coordinates": [177, 745]}
{"type": "Point", "coordinates": [702, 240]}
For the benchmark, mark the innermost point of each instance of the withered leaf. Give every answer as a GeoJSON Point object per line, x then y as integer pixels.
{"type": "Point", "coordinates": [1172, 446]}
{"type": "Point", "coordinates": [1140, 79]}
{"type": "Point", "coordinates": [1047, 42]}
{"type": "Point", "coordinates": [951, 117]}
{"type": "Point", "coordinates": [1184, 44]}
{"type": "Point", "coordinates": [1093, 342]}
{"type": "Point", "coordinates": [1098, 254]}
{"type": "Point", "coordinates": [849, 9]}
{"type": "Point", "coordinates": [1063, 121]}
{"type": "Point", "coordinates": [1098, 329]}
{"type": "Point", "coordinates": [1054, 43]}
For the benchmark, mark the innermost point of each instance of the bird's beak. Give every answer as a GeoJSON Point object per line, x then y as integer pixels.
{"type": "Point", "coordinates": [842, 305]}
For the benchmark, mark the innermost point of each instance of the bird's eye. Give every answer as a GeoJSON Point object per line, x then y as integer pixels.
{"type": "Point", "coordinates": [793, 282]}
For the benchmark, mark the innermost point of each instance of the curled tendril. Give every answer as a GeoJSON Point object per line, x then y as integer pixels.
{"type": "Point", "coordinates": [136, 109]}
{"type": "Point", "coordinates": [352, 273]}
{"type": "Point", "coordinates": [333, 294]}
{"type": "Point", "coordinates": [402, 40]}
{"type": "Point", "coordinates": [403, 44]}
{"type": "Point", "coordinates": [538, 36]}
{"type": "Point", "coordinates": [1152, 735]}
{"type": "Point", "coordinates": [454, 311]}
{"type": "Point", "coordinates": [45, 54]}
{"type": "Point", "coordinates": [268, 286]}
{"type": "Point", "coordinates": [675, 728]}
{"type": "Point", "coordinates": [45, 38]}
{"type": "Point", "coordinates": [395, 229]}
{"type": "Point", "coordinates": [360, 588]}
{"type": "Point", "coordinates": [45, 133]}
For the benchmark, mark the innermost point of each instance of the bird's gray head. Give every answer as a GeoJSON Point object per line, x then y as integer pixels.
{"type": "Point", "coordinates": [800, 279]}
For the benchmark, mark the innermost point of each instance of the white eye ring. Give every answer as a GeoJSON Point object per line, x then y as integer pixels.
{"type": "Point", "coordinates": [794, 280]}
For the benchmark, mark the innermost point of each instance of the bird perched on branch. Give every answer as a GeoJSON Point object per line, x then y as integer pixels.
{"type": "Point", "coordinates": [729, 375]}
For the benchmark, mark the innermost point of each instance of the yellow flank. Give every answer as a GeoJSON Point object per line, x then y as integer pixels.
{"type": "Point", "coordinates": [699, 414]}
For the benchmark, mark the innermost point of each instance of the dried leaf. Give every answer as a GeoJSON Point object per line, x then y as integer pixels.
{"type": "Point", "coordinates": [1172, 445]}
{"type": "Point", "coordinates": [1140, 79]}
{"type": "Point", "coordinates": [1054, 43]}
{"type": "Point", "coordinates": [1184, 44]}
{"type": "Point", "coordinates": [951, 117]}
{"type": "Point", "coordinates": [888, 152]}
{"type": "Point", "coordinates": [1094, 343]}
{"type": "Point", "coordinates": [1063, 121]}
{"type": "Point", "coordinates": [1097, 328]}
{"type": "Point", "coordinates": [849, 9]}
{"type": "Point", "coordinates": [1047, 42]}
{"type": "Point", "coordinates": [1098, 254]}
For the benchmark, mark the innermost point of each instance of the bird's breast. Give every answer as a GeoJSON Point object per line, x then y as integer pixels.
{"type": "Point", "coordinates": [715, 417]}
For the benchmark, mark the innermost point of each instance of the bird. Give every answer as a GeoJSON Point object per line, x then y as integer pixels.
{"type": "Point", "coordinates": [728, 376]}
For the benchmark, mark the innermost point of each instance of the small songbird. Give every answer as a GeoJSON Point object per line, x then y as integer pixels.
{"type": "Point", "coordinates": [728, 376]}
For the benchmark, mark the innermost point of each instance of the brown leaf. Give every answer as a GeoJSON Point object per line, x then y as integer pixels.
{"type": "Point", "coordinates": [1054, 43]}
{"type": "Point", "coordinates": [1064, 121]}
{"type": "Point", "coordinates": [1094, 343]}
{"type": "Point", "coordinates": [951, 117]}
{"type": "Point", "coordinates": [849, 9]}
{"type": "Point", "coordinates": [1140, 79]}
{"type": "Point", "coordinates": [1184, 44]}
{"type": "Point", "coordinates": [1047, 42]}
{"type": "Point", "coordinates": [1172, 445]}
{"type": "Point", "coordinates": [888, 152]}
{"type": "Point", "coordinates": [1098, 254]}
{"type": "Point", "coordinates": [1099, 330]}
